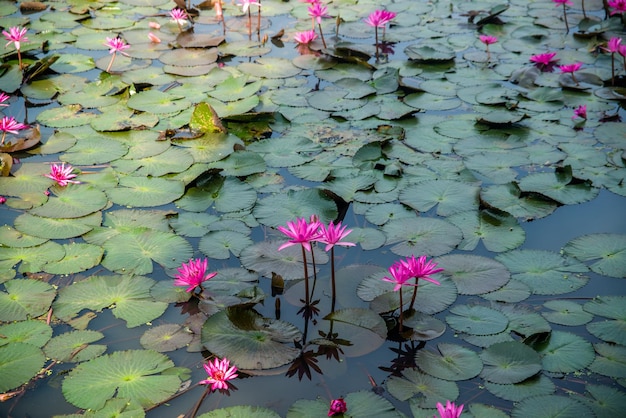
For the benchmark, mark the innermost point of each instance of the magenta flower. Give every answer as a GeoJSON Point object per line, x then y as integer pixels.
{"type": "Point", "coordinates": [563, 2]}
{"type": "Point", "coordinates": [179, 16]}
{"type": "Point", "coordinates": [305, 37]}
{"type": "Point", "coordinates": [115, 45]}
{"type": "Point", "coordinates": [317, 12]}
{"type": "Point", "coordinates": [2, 200]}
{"type": "Point", "coordinates": [8, 124]}
{"type": "Point", "coordinates": [618, 6]}
{"type": "Point", "coordinates": [3, 98]}
{"type": "Point", "coordinates": [580, 112]}
{"type": "Point", "coordinates": [488, 39]}
{"type": "Point", "coordinates": [571, 68]}
{"type": "Point", "coordinates": [544, 61]}
{"type": "Point", "coordinates": [420, 268]}
{"type": "Point", "coordinates": [193, 274]}
{"type": "Point", "coordinates": [449, 411]}
{"type": "Point", "coordinates": [613, 45]}
{"type": "Point", "coordinates": [16, 36]}
{"type": "Point", "coordinates": [337, 406]}
{"type": "Point", "coordinates": [333, 234]}
{"type": "Point", "coordinates": [218, 373]}
{"type": "Point", "coordinates": [62, 174]}
{"type": "Point", "coordinates": [379, 18]}
{"type": "Point", "coordinates": [301, 232]}
{"type": "Point", "coordinates": [400, 274]}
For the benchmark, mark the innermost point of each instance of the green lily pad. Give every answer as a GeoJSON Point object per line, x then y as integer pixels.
{"type": "Point", "coordinates": [166, 337]}
{"type": "Point", "coordinates": [477, 320]}
{"type": "Point", "coordinates": [159, 102]}
{"type": "Point", "coordinates": [429, 389]}
{"type": "Point", "coordinates": [78, 257]}
{"type": "Point", "coordinates": [566, 312]}
{"type": "Point", "coordinates": [449, 196]}
{"type": "Point", "coordinates": [559, 186]}
{"type": "Point", "coordinates": [94, 150]}
{"type": "Point", "coordinates": [431, 52]}
{"type": "Point", "coordinates": [497, 230]}
{"type": "Point", "coordinates": [450, 362]}
{"type": "Point", "coordinates": [145, 191]}
{"type": "Point", "coordinates": [472, 274]}
{"type": "Point", "coordinates": [606, 251]}
{"type": "Point", "coordinates": [53, 228]}
{"type": "Point", "coordinates": [240, 411]}
{"type": "Point", "coordinates": [509, 198]}
{"type": "Point", "coordinates": [71, 202]}
{"type": "Point", "coordinates": [249, 340]}
{"type": "Point", "coordinates": [428, 101]}
{"type": "Point", "coordinates": [225, 194]}
{"type": "Point", "coordinates": [430, 236]}
{"type": "Point", "coordinates": [73, 63]}
{"type": "Point", "coordinates": [603, 400]}
{"type": "Point", "coordinates": [121, 118]}
{"type": "Point", "coordinates": [609, 360]}
{"type": "Point", "coordinates": [24, 299]}
{"type": "Point", "coordinates": [137, 375]}
{"type": "Point", "coordinates": [550, 406]}
{"type": "Point", "coordinates": [32, 332]}
{"type": "Point", "coordinates": [75, 346]}
{"type": "Point", "coordinates": [278, 209]}
{"type": "Point", "coordinates": [358, 404]}
{"type": "Point", "coordinates": [172, 160]}
{"type": "Point", "coordinates": [65, 116]}
{"type": "Point", "coordinates": [220, 244]}
{"type": "Point", "coordinates": [197, 56]}
{"type": "Point", "coordinates": [19, 362]}
{"type": "Point", "coordinates": [545, 272]}
{"type": "Point", "coordinates": [509, 362]}
{"type": "Point", "coordinates": [128, 297]}
{"type": "Point", "coordinates": [609, 307]}
{"type": "Point", "coordinates": [533, 386]}
{"type": "Point", "coordinates": [11, 237]}
{"type": "Point", "coordinates": [564, 352]}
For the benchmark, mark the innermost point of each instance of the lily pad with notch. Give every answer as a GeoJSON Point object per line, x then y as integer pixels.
{"type": "Point", "coordinates": [429, 389]}
{"type": "Point", "coordinates": [79, 257]}
{"type": "Point", "coordinates": [547, 406]}
{"type": "Point", "coordinates": [360, 404]}
{"type": "Point", "coordinates": [449, 362]}
{"type": "Point", "coordinates": [56, 228]}
{"type": "Point", "coordinates": [145, 191]}
{"type": "Point", "coordinates": [509, 362]}
{"type": "Point", "coordinates": [19, 363]}
{"type": "Point", "coordinates": [165, 337]}
{"type": "Point", "coordinates": [24, 299]}
{"type": "Point", "coordinates": [32, 332]}
{"type": "Point", "coordinates": [75, 346]}
{"type": "Point", "coordinates": [606, 252]}
{"type": "Point", "coordinates": [423, 235]}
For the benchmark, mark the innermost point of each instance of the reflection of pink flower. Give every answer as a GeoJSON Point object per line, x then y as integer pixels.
{"type": "Point", "coordinates": [300, 232]}
{"type": "Point", "coordinates": [449, 411]}
{"type": "Point", "coordinates": [544, 60]}
{"type": "Point", "coordinates": [333, 234]}
{"type": "Point", "coordinates": [192, 274]}
{"type": "Point", "coordinates": [379, 18]}
{"type": "Point", "coordinates": [337, 406]}
{"type": "Point", "coordinates": [420, 268]}
{"type": "Point", "coordinates": [15, 35]}
{"type": "Point", "coordinates": [61, 174]}
{"type": "Point", "coordinates": [618, 6]}
{"type": "Point", "coordinates": [3, 98]}
{"type": "Point", "coordinates": [580, 112]}
{"type": "Point", "coordinates": [488, 39]}
{"type": "Point", "coordinates": [305, 37]}
{"type": "Point", "coordinates": [563, 2]}
{"type": "Point", "coordinates": [218, 373]}
{"type": "Point", "coordinates": [116, 45]}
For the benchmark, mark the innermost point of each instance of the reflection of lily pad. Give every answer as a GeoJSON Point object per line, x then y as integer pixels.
{"type": "Point", "coordinates": [249, 340]}
{"type": "Point", "coordinates": [137, 375]}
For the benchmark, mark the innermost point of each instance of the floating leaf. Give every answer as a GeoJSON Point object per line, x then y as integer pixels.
{"type": "Point", "coordinates": [430, 390]}
{"type": "Point", "coordinates": [559, 187]}
{"type": "Point", "coordinates": [477, 320]}
{"type": "Point", "coordinates": [509, 198]}
{"type": "Point", "coordinates": [607, 251]}
{"type": "Point", "coordinates": [359, 404]}
{"type": "Point", "coordinates": [145, 191]}
{"type": "Point", "coordinates": [278, 209]}
{"type": "Point", "coordinates": [157, 102]}
{"type": "Point", "coordinates": [604, 400]}
{"type": "Point", "coordinates": [498, 231]}
{"type": "Point", "coordinates": [240, 411]}
{"type": "Point", "coordinates": [509, 362]}
{"type": "Point", "coordinates": [450, 362]}
{"type": "Point", "coordinates": [566, 312]}
{"type": "Point", "coordinates": [24, 299]}
{"type": "Point", "coordinates": [564, 352]}
{"type": "Point", "coordinates": [10, 237]}
{"type": "Point", "coordinates": [610, 360]}
{"type": "Point", "coordinates": [128, 297]}
{"type": "Point", "coordinates": [416, 236]}
{"type": "Point", "coordinates": [472, 274]}
{"type": "Point", "coordinates": [449, 196]}
{"type": "Point", "coordinates": [55, 228]}
{"type": "Point", "coordinates": [137, 375]}
{"type": "Point", "coordinates": [249, 340]}
{"type": "Point", "coordinates": [32, 332]}
{"type": "Point", "coordinates": [73, 201]}
{"type": "Point", "coordinates": [358, 317]}
{"type": "Point", "coordinates": [78, 257]}
{"type": "Point", "coordinates": [220, 244]}
{"type": "Point", "coordinates": [533, 386]}
{"type": "Point", "coordinates": [19, 362]}
{"type": "Point", "coordinates": [165, 337]}
{"type": "Point", "coordinates": [75, 346]}
{"type": "Point", "coordinates": [550, 406]}
{"type": "Point", "coordinates": [264, 258]}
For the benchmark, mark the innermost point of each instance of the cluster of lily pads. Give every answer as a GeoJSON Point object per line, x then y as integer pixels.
{"type": "Point", "coordinates": [191, 140]}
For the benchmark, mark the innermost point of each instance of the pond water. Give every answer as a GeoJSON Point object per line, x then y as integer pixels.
{"type": "Point", "coordinates": [440, 146]}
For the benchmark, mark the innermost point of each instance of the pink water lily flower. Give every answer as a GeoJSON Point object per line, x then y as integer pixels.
{"type": "Point", "coordinates": [421, 268]}
{"type": "Point", "coordinates": [563, 2]}
{"type": "Point", "coordinates": [62, 174]}
{"type": "Point", "coordinates": [3, 98]}
{"type": "Point", "coordinates": [193, 274]}
{"type": "Point", "coordinates": [153, 38]}
{"type": "Point", "coordinates": [613, 45]}
{"type": "Point", "coordinates": [301, 232]}
{"type": "Point", "coordinates": [15, 36]}
{"type": "Point", "coordinates": [379, 18]}
{"type": "Point", "coordinates": [488, 39]}
{"type": "Point", "coordinates": [618, 6]}
{"type": "Point", "coordinates": [8, 124]}
{"type": "Point", "coordinates": [333, 234]}
{"type": "Point", "coordinates": [179, 16]}
{"type": "Point", "coordinates": [580, 112]}
{"type": "Point", "coordinates": [219, 372]}
{"type": "Point", "coordinates": [400, 274]}
{"type": "Point", "coordinates": [337, 406]}
{"type": "Point", "coordinates": [317, 12]}
{"type": "Point", "coordinates": [2, 200]}
{"type": "Point", "coordinates": [305, 37]}
{"type": "Point", "coordinates": [449, 411]}
{"type": "Point", "coordinates": [571, 68]}
{"type": "Point", "coordinates": [544, 61]}
{"type": "Point", "coordinates": [116, 45]}
{"type": "Point", "coordinates": [245, 5]}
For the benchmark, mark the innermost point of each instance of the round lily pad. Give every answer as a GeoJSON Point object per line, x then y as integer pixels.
{"type": "Point", "coordinates": [145, 191]}
{"type": "Point", "coordinates": [566, 312]}
{"type": "Point", "coordinates": [71, 202]}
{"type": "Point", "coordinates": [473, 274]}
{"type": "Point", "coordinates": [75, 346]}
{"type": "Point", "coordinates": [449, 362]}
{"type": "Point", "coordinates": [565, 352]}
{"type": "Point", "coordinates": [241, 411]}
{"type": "Point", "coordinates": [79, 257]}
{"type": "Point", "coordinates": [32, 332]}
{"type": "Point", "coordinates": [476, 320]}
{"type": "Point", "coordinates": [607, 252]}
{"type": "Point", "coordinates": [19, 362]}
{"type": "Point", "coordinates": [550, 406]}
{"type": "Point", "coordinates": [509, 362]}
{"type": "Point", "coordinates": [25, 298]}
{"type": "Point", "coordinates": [166, 337]}
{"type": "Point", "coordinates": [414, 382]}
{"type": "Point", "coordinates": [533, 386]}
{"type": "Point", "coordinates": [413, 236]}
{"type": "Point", "coordinates": [358, 404]}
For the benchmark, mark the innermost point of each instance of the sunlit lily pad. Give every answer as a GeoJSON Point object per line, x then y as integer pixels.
{"type": "Point", "coordinates": [25, 298]}
{"type": "Point", "coordinates": [172, 160]}
{"type": "Point", "coordinates": [94, 150]}
{"type": "Point", "coordinates": [607, 252]}
{"type": "Point", "coordinates": [423, 235]}
{"type": "Point", "coordinates": [545, 272]}
{"type": "Point", "coordinates": [450, 362]}
{"type": "Point", "coordinates": [428, 101]}
{"type": "Point", "coordinates": [191, 56]}
{"type": "Point", "coordinates": [32, 258]}
{"type": "Point", "coordinates": [249, 340]}
{"type": "Point", "coordinates": [75, 346]}
{"type": "Point", "coordinates": [71, 202]}
{"type": "Point", "coordinates": [56, 228]}
{"type": "Point", "coordinates": [145, 191]}
{"type": "Point", "coordinates": [509, 362]}
{"type": "Point", "coordinates": [33, 332]}
{"type": "Point", "coordinates": [474, 274]}
{"type": "Point", "coordinates": [79, 257]}
{"type": "Point", "coordinates": [157, 102]}
{"type": "Point", "coordinates": [509, 198]}
{"type": "Point", "coordinates": [128, 297]}
{"type": "Point", "coordinates": [10, 237]}
{"type": "Point", "coordinates": [137, 375]}
{"type": "Point", "coordinates": [19, 362]}
{"type": "Point", "coordinates": [550, 406]}
{"type": "Point", "coordinates": [358, 404]}
{"type": "Point", "coordinates": [430, 389]}
{"type": "Point", "coordinates": [165, 337]}
{"type": "Point", "coordinates": [65, 116]}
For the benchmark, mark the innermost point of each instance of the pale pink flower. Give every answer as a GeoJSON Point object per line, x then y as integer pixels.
{"type": "Point", "coordinates": [153, 38]}
{"type": "Point", "coordinates": [116, 45]}
{"type": "Point", "coordinates": [379, 18]}
{"type": "Point", "coordinates": [333, 234]}
{"type": "Point", "coordinates": [301, 232]}
{"type": "Point", "coordinates": [218, 373]}
{"type": "Point", "coordinates": [16, 36]}
{"type": "Point", "coordinates": [179, 16]}
{"type": "Point", "coordinates": [193, 274]}
{"type": "Point", "coordinates": [337, 406]}
{"type": "Point", "coordinates": [3, 98]}
{"type": "Point", "coordinates": [245, 4]}
{"type": "Point", "coordinates": [8, 124]}
{"type": "Point", "coordinates": [421, 268]}
{"type": "Point", "coordinates": [449, 411]}
{"type": "Point", "coordinates": [305, 37]}
{"type": "Point", "coordinates": [62, 174]}
{"type": "Point", "coordinates": [580, 112]}
{"type": "Point", "coordinates": [317, 12]}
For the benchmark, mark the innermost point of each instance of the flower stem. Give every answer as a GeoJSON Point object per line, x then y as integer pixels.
{"type": "Point", "coordinates": [111, 62]}
{"type": "Point", "coordinates": [414, 295]}
{"type": "Point", "coordinates": [376, 40]}
{"type": "Point", "coordinates": [249, 24]}
{"type": "Point", "coordinates": [306, 278]}
{"type": "Point", "coordinates": [19, 59]}
{"type": "Point", "coordinates": [258, 23]}
{"type": "Point", "coordinates": [401, 313]}
{"type": "Point", "coordinates": [332, 279]}
{"type": "Point", "coordinates": [322, 35]}
{"type": "Point", "coordinates": [565, 19]}
{"type": "Point", "coordinates": [612, 68]}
